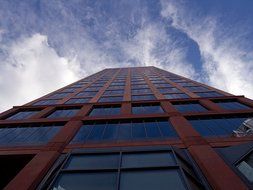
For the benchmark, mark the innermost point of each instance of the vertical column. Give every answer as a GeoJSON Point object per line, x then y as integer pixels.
{"type": "Point", "coordinates": [126, 106]}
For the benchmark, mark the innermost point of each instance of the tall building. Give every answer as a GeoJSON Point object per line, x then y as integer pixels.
{"type": "Point", "coordinates": [129, 129]}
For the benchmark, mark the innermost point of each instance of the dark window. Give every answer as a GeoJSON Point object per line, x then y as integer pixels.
{"type": "Point", "coordinates": [152, 179]}
{"type": "Point", "coordinates": [176, 96]}
{"type": "Point", "coordinates": [165, 85]}
{"type": "Point", "coordinates": [139, 86]}
{"type": "Point", "coordinates": [111, 99]}
{"type": "Point", "coordinates": [66, 112]}
{"type": "Point", "coordinates": [245, 166]}
{"type": "Point", "coordinates": [69, 90]}
{"type": "Point", "coordinates": [89, 180]}
{"type": "Point", "coordinates": [45, 102]}
{"type": "Point", "coordinates": [78, 100]}
{"type": "Point", "coordinates": [169, 90]}
{"type": "Point", "coordinates": [209, 94]}
{"type": "Point", "coordinates": [60, 95]}
{"type": "Point", "coordinates": [232, 105]}
{"type": "Point", "coordinates": [27, 134]}
{"type": "Point", "coordinates": [87, 94]}
{"type": "Point", "coordinates": [114, 92]}
{"type": "Point", "coordinates": [143, 97]}
{"type": "Point", "coordinates": [141, 91]}
{"type": "Point", "coordinates": [92, 89]}
{"type": "Point", "coordinates": [197, 88]}
{"type": "Point", "coordinates": [146, 109]}
{"type": "Point", "coordinates": [187, 84]}
{"type": "Point", "coordinates": [92, 161]}
{"type": "Point", "coordinates": [189, 107]}
{"type": "Point", "coordinates": [164, 169]}
{"type": "Point", "coordinates": [105, 110]}
{"type": "Point", "coordinates": [115, 87]}
{"type": "Point", "coordinates": [126, 130]}
{"type": "Point", "coordinates": [217, 126]}
{"type": "Point", "coordinates": [22, 115]}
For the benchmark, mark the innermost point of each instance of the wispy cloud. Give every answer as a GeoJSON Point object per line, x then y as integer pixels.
{"type": "Point", "coordinates": [227, 63]}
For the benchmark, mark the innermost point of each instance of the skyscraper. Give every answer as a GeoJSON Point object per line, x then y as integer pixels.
{"type": "Point", "coordinates": [129, 129]}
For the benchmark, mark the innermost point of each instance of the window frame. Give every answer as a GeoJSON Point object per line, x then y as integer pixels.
{"type": "Point", "coordinates": [177, 154]}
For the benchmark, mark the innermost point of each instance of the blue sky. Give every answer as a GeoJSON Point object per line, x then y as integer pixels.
{"type": "Point", "coordinates": [47, 44]}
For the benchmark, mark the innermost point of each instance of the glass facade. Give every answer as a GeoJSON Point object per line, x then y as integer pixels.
{"type": "Point", "coordinates": [27, 134]}
{"type": "Point", "coordinates": [189, 107]}
{"type": "Point", "coordinates": [105, 110]}
{"type": "Point", "coordinates": [139, 169]}
{"type": "Point", "coordinates": [125, 131]}
{"type": "Point", "coordinates": [233, 105]}
{"type": "Point", "coordinates": [176, 96]}
{"type": "Point", "coordinates": [22, 115]}
{"type": "Point", "coordinates": [146, 109]}
{"type": "Point", "coordinates": [66, 112]}
{"type": "Point", "coordinates": [217, 126]}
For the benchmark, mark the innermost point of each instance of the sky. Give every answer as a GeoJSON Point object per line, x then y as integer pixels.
{"type": "Point", "coordinates": [47, 44]}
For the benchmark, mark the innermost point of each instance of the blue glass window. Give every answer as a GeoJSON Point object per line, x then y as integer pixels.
{"type": "Point", "coordinates": [209, 94]}
{"type": "Point", "coordinates": [139, 170]}
{"type": "Point", "coordinates": [189, 107]}
{"type": "Point", "coordinates": [46, 102]}
{"type": "Point", "coordinates": [92, 89]}
{"type": "Point", "coordinates": [152, 179]}
{"type": "Point", "coordinates": [111, 99]}
{"type": "Point", "coordinates": [139, 86]}
{"type": "Point", "coordinates": [109, 131]}
{"type": "Point", "coordinates": [143, 97]}
{"type": "Point", "coordinates": [64, 113]}
{"type": "Point", "coordinates": [217, 126]}
{"type": "Point", "coordinates": [197, 88]}
{"type": "Point", "coordinates": [187, 84]}
{"type": "Point", "coordinates": [176, 96]}
{"type": "Point", "coordinates": [169, 90]}
{"type": "Point", "coordinates": [146, 109]}
{"type": "Point", "coordinates": [69, 90]}
{"type": "Point", "coordinates": [77, 100]}
{"type": "Point", "coordinates": [141, 91]}
{"type": "Point", "coordinates": [60, 95]}
{"type": "Point", "coordinates": [165, 85]}
{"type": "Point", "coordinates": [232, 105]}
{"type": "Point", "coordinates": [92, 180]}
{"type": "Point", "coordinates": [114, 92]}
{"type": "Point", "coordinates": [115, 87]}
{"type": "Point", "coordinates": [105, 110]}
{"type": "Point", "coordinates": [87, 94]}
{"type": "Point", "coordinates": [27, 134]}
{"type": "Point", "coordinates": [22, 115]}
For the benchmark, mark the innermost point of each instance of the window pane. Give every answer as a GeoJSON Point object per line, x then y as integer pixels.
{"type": "Point", "coordinates": [194, 107]}
{"type": "Point", "coordinates": [90, 181]}
{"type": "Point", "coordinates": [152, 129]}
{"type": "Point", "coordinates": [146, 109]}
{"type": "Point", "coordinates": [133, 160]}
{"type": "Point", "coordinates": [138, 130]}
{"type": "Point", "coordinates": [96, 161]}
{"type": "Point", "coordinates": [152, 180]}
{"type": "Point", "coordinates": [22, 115]}
{"type": "Point", "coordinates": [63, 113]}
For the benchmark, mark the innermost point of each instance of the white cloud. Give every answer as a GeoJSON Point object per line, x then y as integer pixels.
{"type": "Point", "coordinates": [228, 66]}
{"type": "Point", "coordinates": [31, 68]}
{"type": "Point", "coordinates": [152, 46]}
